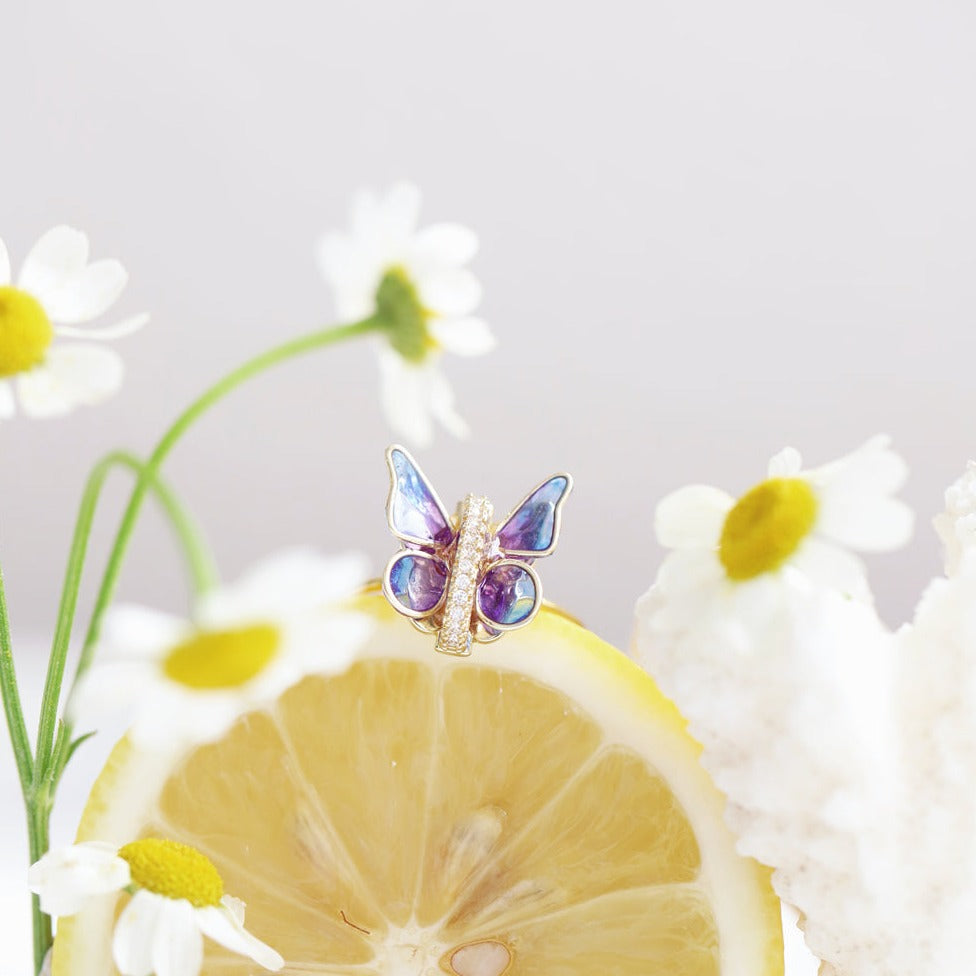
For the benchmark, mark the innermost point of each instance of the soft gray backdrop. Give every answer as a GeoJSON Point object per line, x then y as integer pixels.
{"type": "Point", "coordinates": [709, 229]}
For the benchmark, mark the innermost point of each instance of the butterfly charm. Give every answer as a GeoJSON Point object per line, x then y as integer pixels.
{"type": "Point", "coordinates": [464, 577]}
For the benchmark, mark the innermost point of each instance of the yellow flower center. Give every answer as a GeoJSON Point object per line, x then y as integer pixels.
{"type": "Point", "coordinates": [404, 317]}
{"type": "Point", "coordinates": [222, 658]}
{"type": "Point", "coordinates": [25, 331]}
{"type": "Point", "coordinates": [766, 526]}
{"type": "Point", "coordinates": [174, 870]}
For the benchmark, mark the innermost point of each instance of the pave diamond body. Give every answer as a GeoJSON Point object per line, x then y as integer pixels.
{"type": "Point", "coordinates": [474, 538]}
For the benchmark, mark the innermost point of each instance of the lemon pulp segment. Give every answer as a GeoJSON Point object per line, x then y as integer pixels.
{"type": "Point", "coordinates": [420, 815]}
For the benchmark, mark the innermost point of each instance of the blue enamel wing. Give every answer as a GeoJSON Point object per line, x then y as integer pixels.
{"type": "Point", "coordinates": [507, 591]}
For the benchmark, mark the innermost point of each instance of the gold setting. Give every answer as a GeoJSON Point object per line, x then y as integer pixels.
{"type": "Point", "coordinates": [473, 541]}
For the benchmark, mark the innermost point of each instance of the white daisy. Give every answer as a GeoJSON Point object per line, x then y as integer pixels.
{"type": "Point", "coordinates": [730, 555]}
{"type": "Point", "coordinates": [57, 292]}
{"type": "Point", "coordinates": [416, 283]}
{"type": "Point", "coordinates": [177, 898]}
{"type": "Point", "coordinates": [246, 643]}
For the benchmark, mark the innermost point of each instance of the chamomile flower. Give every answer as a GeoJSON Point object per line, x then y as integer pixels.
{"type": "Point", "coordinates": [730, 555]}
{"type": "Point", "coordinates": [56, 294]}
{"type": "Point", "coordinates": [186, 681]}
{"type": "Point", "coordinates": [416, 283]}
{"type": "Point", "coordinates": [761, 629]}
{"type": "Point", "coordinates": [177, 898]}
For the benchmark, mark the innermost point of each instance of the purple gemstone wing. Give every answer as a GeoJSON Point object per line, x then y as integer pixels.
{"type": "Point", "coordinates": [531, 530]}
{"type": "Point", "coordinates": [414, 511]}
{"type": "Point", "coordinates": [417, 581]}
{"type": "Point", "coordinates": [508, 594]}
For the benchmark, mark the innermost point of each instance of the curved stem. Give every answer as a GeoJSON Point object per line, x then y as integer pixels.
{"type": "Point", "coordinates": [42, 785]}
{"type": "Point", "coordinates": [199, 559]}
{"type": "Point", "coordinates": [288, 350]}
{"type": "Point", "coordinates": [197, 556]}
{"type": "Point", "coordinates": [147, 477]}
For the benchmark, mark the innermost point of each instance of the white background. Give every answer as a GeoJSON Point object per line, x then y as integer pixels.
{"type": "Point", "coordinates": [709, 229]}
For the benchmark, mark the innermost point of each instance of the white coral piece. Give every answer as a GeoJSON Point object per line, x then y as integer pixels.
{"type": "Point", "coordinates": [848, 754]}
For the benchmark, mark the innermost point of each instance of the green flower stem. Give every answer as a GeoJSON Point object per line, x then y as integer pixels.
{"type": "Point", "coordinates": [40, 785]}
{"type": "Point", "coordinates": [248, 370]}
{"type": "Point", "coordinates": [200, 563]}
{"type": "Point", "coordinates": [199, 559]}
{"type": "Point", "coordinates": [45, 760]}
{"type": "Point", "coordinates": [11, 699]}
{"type": "Point", "coordinates": [38, 826]}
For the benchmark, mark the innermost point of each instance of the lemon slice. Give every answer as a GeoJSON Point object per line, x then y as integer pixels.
{"type": "Point", "coordinates": [536, 808]}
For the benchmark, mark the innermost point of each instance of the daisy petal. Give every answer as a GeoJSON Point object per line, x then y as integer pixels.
{"type": "Point", "coordinates": [72, 374]}
{"type": "Point", "coordinates": [294, 580]}
{"type": "Point", "coordinates": [204, 717]}
{"type": "Point", "coordinates": [41, 395]}
{"type": "Point", "coordinates": [833, 567]}
{"type": "Point", "coordinates": [84, 296]}
{"type": "Point", "coordinates": [463, 337]}
{"type": "Point", "coordinates": [118, 331]}
{"type": "Point", "coordinates": [132, 944]}
{"type": "Point", "coordinates": [451, 291]}
{"type": "Point", "coordinates": [133, 631]}
{"type": "Point", "coordinates": [177, 945]}
{"type": "Point", "coordinates": [333, 253]}
{"type": "Point", "coordinates": [441, 401]}
{"type": "Point", "coordinates": [363, 214]}
{"type": "Point", "coordinates": [400, 211]}
{"type": "Point", "coordinates": [687, 581]}
{"type": "Point", "coordinates": [866, 522]}
{"type": "Point", "coordinates": [225, 926]}
{"type": "Point", "coordinates": [404, 398]}
{"type": "Point", "coordinates": [8, 406]}
{"type": "Point", "coordinates": [4, 264]}
{"type": "Point", "coordinates": [235, 907]}
{"type": "Point", "coordinates": [65, 879]}
{"type": "Point", "coordinates": [109, 688]}
{"type": "Point", "coordinates": [446, 245]}
{"type": "Point", "coordinates": [60, 253]}
{"type": "Point", "coordinates": [691, 517]}
{"type": "Point", "coordinates": [352, 272]}
{"type": "Point", "coordinates": [873, 467]}
{"type": "Point", "coordinates": [786, 464]}
{"type": "Point", "coordinates": [328, 643]}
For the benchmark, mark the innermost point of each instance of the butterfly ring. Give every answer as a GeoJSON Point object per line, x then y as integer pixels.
{"type": "Point", "coordinates": [466, 578]}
